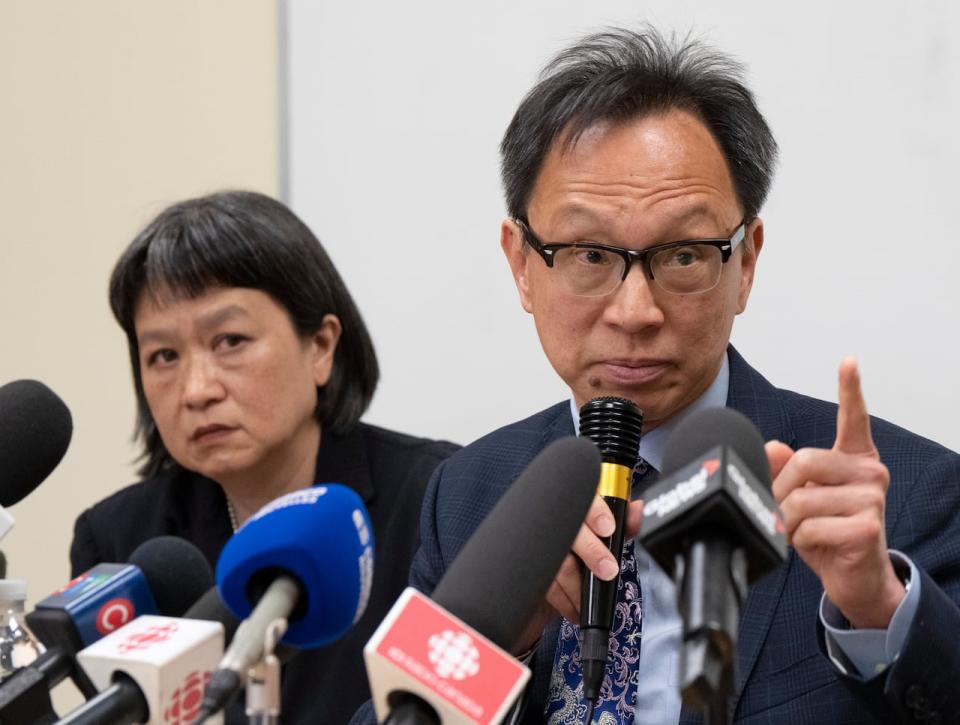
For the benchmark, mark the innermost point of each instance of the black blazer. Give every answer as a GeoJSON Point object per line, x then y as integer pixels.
{"type": "Point", "coordinates": [388, 470]}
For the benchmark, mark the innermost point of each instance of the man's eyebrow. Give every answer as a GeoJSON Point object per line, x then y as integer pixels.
{"type": "Point", "coordinates": [206, 321]}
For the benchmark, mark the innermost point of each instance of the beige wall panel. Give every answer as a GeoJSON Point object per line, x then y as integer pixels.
{"type": "Point", "coordinates": [110, 110]}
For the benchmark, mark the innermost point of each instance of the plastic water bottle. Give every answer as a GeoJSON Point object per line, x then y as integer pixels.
{"type": "Point", "coordinates": [18, 647]}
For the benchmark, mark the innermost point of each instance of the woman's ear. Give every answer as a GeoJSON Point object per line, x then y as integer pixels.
{"type": "Point", "coordinates": [324, 344]}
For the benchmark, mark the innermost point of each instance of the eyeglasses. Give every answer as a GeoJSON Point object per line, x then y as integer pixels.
{"type": "Point", "coordinates": [586, 269]}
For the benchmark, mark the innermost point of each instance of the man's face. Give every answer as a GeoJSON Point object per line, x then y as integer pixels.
{"type": "Point", "coordinates": [633, 185]}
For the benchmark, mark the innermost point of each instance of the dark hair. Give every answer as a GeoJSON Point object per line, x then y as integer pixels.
{"type": "Point", "coordinates": [244, 239]}
{"type": "Point", "coordinates": [620, 75]}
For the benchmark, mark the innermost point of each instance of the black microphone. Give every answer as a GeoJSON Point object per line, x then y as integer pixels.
{"type": "Point", "coordinates": [35, 431]}
{"type": "Point", "coordinates": [711, 521]}
{"type": "Point", "coordinates": [495, 586]}
{"type": "Point", "coordinates": [614, 425]}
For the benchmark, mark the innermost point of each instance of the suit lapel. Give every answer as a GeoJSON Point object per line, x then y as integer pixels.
{"type": "Point", "coordinates": [751, 394]}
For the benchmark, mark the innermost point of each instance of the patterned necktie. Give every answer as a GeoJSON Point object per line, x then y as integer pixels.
{"type": "Point", "coordinates": [618, 693]}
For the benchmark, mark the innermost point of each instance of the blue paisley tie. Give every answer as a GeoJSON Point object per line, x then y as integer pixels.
{"type": "Point", "coordinates": [618, 693]}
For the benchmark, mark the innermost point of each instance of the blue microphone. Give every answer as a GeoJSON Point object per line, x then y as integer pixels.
{"type": "Point", "coordinates": [164, 576]}
{"type": "Point", "coordinates": [306, 557]}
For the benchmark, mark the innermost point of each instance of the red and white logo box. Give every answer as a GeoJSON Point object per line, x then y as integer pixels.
{"type": "Point", "coordinates": [422, 649]}
{"type": "Point", "coordinates": [161, 654]}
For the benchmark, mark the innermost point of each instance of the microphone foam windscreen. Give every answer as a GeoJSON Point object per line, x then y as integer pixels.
{"type": "Point", "coordinates": [177, 573]}
{"type": "Point", "coordinates": [323, 538]}
{"type": "Point", "coordinates": [501, 576]}
{"type": "Point", "coordinates": [710, 427]}
{"type": "Point", "coordinates": [35, 430]}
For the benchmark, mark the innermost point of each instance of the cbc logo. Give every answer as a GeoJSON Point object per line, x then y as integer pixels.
{"type": "Point", "coordinates": [113, 615]}
{"type": "Point", "coordinates": [152, 635]}
{"type": "Point", "coordinates": [184, 704]}
{"type": "Point", "coordinates": [454, 655]}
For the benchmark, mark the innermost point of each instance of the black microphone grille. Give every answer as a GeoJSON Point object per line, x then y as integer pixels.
{"type": "Point", "coordinates": [614, 425]}
{"type": "Point", "coordinates": [35, 431]}
{"type": "Point", "coordinates": [176, 571]}
{"type": "Point", "coordinates": [710, 427]}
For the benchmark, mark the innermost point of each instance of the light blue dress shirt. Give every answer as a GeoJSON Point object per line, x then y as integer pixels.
{"type": "Point", "coordinates": [862, 653]}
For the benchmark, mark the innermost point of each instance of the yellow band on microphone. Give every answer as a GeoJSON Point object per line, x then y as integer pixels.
{"type": "Point", "coordinates": [614, 481]}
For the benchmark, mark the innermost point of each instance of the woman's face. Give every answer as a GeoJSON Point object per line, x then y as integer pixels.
{"type": "Point", "coordinates": [230, 384]}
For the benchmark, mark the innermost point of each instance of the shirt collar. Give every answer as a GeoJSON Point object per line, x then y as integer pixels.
{"type": "Point", "coordinates": [652, 443]}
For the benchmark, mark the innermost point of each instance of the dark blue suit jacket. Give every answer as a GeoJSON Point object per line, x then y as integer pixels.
{"type": "Point", "coordinates": [784, 675]}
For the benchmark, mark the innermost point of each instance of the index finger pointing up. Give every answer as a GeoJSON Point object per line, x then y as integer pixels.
{"type": "Point", "coordinates": [853, 421]}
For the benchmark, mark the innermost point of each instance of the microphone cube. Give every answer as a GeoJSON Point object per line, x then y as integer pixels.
{"type": "Point", "coordinates": [170, 659]}
{"type": "Point", "coordinates": [422, 649]}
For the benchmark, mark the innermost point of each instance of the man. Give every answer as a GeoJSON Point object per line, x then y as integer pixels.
{"type": "Point", "coordinates": [627, 144]}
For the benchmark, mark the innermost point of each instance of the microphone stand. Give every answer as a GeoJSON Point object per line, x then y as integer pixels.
{"type": "Point", "coordinates": [263, 680]}
{"type": "Point", "coordinates": [712, 586]}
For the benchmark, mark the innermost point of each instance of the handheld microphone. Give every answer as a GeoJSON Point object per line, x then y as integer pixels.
{"type": "Point", "coordinates": [614, 425]}
{"type": "Point", "coordinates": [165, 575]}
{"type": "Point", "coordinates": [152, 671]}
{"type": "Point", "coordinates": [307, 558]}
{"type": "Point", "coordinates": [35, 431]}
{"type": "Point", "coordinates": [713, 524]}
{"type": "Point", "coordinates": [444, 660]}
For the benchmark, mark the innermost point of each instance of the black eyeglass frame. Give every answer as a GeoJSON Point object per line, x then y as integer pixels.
{"type": "Point", "coordinates": [629, 256]}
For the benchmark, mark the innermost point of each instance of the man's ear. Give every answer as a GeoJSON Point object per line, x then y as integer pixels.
{"type": "Point", "coordinates": [752, 244]}
{"type": "Point", "coordinates": [511, 242]}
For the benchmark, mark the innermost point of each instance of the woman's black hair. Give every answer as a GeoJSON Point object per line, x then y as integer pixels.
{"type": "Point", "coordinates": [244, 239]}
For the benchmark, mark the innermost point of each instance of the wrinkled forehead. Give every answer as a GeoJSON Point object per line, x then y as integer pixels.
{"type": "Point", "coordinates": [666, 162]}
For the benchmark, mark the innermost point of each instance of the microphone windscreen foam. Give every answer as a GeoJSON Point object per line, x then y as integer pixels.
{"type": "Point", "coordinates": [501, 576]}
{"type": "Point", "coordinates": [320, 536]}
{"type": "Point", "coordinates": [177, 573]}
{"type": "Point", "coordinates": [710, 427]}
{"type": "Point", "coordinates": [35, 431]}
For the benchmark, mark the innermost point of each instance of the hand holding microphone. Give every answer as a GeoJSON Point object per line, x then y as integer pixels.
{"type": "Point", "coordinates": [587, 578]}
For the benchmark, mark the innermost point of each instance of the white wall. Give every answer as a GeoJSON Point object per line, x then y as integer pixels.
{"type": "Point", "coordinates": [395, 113]}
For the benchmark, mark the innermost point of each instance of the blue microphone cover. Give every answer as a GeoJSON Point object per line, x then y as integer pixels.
{"type": "Point", "coordinates": [322, 537]}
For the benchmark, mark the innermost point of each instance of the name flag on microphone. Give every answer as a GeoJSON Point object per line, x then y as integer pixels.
{"type": "Point", "coordinates": [169, 659]}
{"type": "Point", "coordinates": [461, 673]}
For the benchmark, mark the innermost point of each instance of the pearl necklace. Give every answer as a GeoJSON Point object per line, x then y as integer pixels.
{"type": "Point", "coordinates": [233, 516]}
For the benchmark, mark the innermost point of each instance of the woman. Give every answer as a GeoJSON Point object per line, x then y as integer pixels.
{"type": "Point", "coordinates": [252, 367]}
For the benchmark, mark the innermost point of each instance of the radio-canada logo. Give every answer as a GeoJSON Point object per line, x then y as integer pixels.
{"type": "Point", "coordinates": [454, 655]}
{"type": "Point", "coordinates": [184, 704]}
{"type": "Point", "coordinates": [114, 614]}
{"type": "Point", "coordinates": [147, 638]}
